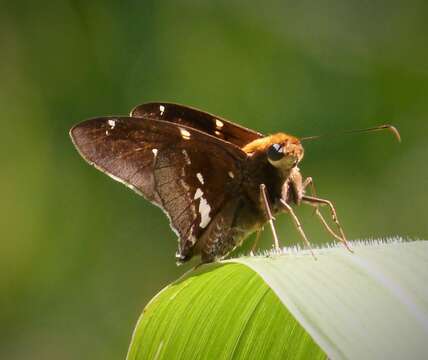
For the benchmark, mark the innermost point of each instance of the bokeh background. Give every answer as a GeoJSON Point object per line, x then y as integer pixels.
{"type": "Point", "coordinates": [80, 255]}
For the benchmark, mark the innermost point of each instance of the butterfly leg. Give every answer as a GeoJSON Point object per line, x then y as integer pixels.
{"type": "Point", "coordinates": [306, 183]}
{"type": "Point", "coordinates": [310, 182]}
{"type": "Point", "coordinates": [256, 242]}
{"type": "Point", "coordinates": [316, 202]}
{"type": "Point", "coordinates": [270, 217]}
{"type": "Point", "coordinates": [298, 226]}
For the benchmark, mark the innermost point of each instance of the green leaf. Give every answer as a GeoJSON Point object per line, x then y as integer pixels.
{"type": "Point", "coordinates": [370, 304]}
{"type": "Point", "coordinates": [220, 311]}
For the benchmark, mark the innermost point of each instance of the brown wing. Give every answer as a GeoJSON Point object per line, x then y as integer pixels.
{"type": "Point", "coordinates": [187, 173]}
{"type": "Point", "coordinates": [196, 119]}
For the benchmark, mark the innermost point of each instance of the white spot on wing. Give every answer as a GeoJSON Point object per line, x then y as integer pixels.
{"type": "Point", "coordinates": [231, 174]}
{"type": "Point", "coordinates": [155, 152]}
{"type": "Point", "coordinates": [199, 193]}
{"type": "Point", "coordinates": [204, 208]}
{"type": "Point", "coordinates": [219, 124]}
{"type": "Point", "coordinates": [184, 134]}
{"type": "Point", "coordinates": [200, 178]}
{"type": "Point", "coordinates": [192, 238]}
{"type": "Point", "coordinates": [186, 157]}
{"type": "Point", "coordinates": [111, 123]}
{"type": "Point", "coordinates": [161, 109]}
{"type": "Point", "coordinates": [218, 133]}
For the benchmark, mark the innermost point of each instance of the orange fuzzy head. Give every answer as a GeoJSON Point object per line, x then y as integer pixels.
{"type": "Point", "coordinates": [282, 150]}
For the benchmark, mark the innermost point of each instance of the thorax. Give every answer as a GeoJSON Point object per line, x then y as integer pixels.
{"type": "Point", "coordinates": [279, 184]}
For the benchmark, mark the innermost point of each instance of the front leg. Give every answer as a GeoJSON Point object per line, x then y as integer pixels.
{"type": "Point", "coordinates": [309, 182]}
{"type": "Point", "coordinates": [316, 202]}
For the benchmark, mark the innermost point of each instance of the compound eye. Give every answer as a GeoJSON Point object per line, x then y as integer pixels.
{"type": "Point", "coordinates": [275, 152]}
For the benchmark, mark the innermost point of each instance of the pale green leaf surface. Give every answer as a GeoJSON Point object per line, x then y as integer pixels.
{"type": "Point", "coordinates": [372, 304]}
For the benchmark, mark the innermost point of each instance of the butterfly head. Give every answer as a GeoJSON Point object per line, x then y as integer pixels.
{"type": "Point", "coordinates": [283, 151]}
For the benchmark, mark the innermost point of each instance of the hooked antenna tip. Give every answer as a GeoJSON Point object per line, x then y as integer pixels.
{"type": "Point", "coordinates": [389, 127]}
{"type": "Point", "coordinates": [394, 130]}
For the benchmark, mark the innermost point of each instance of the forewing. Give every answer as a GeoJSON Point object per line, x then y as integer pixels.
{"type": "Point", "coordinates": [189, 174]}
{"type": "Point", "coordinates": [196, 119]}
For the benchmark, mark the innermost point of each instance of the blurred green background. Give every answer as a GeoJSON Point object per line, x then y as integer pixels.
{"type": "Point", "coordinates": [80, 255]}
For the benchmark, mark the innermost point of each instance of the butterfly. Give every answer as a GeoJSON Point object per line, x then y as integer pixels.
{"type": "Point", "coordinates": [217, 182]}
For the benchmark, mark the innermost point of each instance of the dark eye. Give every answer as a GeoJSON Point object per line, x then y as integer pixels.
{"type": "Point", "coordinates": [275, 153]}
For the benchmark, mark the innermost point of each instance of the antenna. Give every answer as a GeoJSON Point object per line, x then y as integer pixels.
{"type": "Point", "coordinates": [388, 127]}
